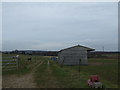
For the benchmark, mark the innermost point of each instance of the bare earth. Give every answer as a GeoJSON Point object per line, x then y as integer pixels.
{"type": "Point", "coordinates": [23, 81]}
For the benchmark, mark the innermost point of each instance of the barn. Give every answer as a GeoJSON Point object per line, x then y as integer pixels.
{"type": "Point", "coordinates": [74, 55]}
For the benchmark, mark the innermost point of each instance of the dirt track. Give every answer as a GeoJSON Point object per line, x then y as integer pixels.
{"type": "Point", "coordinates": [23, 81]}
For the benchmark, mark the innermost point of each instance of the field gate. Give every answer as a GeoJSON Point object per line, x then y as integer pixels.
{"type": "Point", "coordinates": [10, 63]}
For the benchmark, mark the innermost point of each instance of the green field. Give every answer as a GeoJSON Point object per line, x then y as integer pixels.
{"type": "Point", "coordinates": [69, 77]}
{"type": "Point", "coordinates": [53, 76]}
{"type": "Point", "coordinates": [24, 65]}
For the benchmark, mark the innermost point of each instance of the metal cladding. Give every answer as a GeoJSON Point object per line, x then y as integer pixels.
{"type": "Point", "coordinates": [72, 55]}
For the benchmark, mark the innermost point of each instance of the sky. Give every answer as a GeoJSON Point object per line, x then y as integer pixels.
{"type": "Point", "coordinates": [1, 26]}
{"type": "Point", "coordinates": [55, 26]}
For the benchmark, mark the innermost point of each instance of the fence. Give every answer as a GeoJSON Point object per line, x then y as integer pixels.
{"type": "Point", "coordinates": [10, 63]}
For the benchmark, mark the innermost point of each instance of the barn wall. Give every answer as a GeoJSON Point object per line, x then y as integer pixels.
{"type": "Point", "coordinates": [73, 55]}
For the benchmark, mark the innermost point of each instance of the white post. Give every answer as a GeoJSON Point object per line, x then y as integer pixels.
{"type": "Point", "coordinates": [17, 61]}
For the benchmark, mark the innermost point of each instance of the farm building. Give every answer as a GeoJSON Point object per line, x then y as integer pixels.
{"type": "Point", "coordinates": [74, 55]}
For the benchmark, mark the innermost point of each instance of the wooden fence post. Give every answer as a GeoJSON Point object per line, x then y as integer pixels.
{"type": "Point", "coordinates": [17, 62]}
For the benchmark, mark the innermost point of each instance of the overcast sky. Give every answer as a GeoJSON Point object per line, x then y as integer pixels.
{"type": "Point", "coordinates": [55, 26]}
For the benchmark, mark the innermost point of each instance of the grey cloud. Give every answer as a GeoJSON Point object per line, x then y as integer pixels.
{"type": "Point", "coordinates": [57, 25]}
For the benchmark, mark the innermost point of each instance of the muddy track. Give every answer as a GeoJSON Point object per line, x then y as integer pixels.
{"type": "Point", "coordinates": [23, 81]}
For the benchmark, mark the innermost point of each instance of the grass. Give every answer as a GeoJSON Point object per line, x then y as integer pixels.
{"type": "Point", "coordinates": [108, 69]}
{"type": "Point", "coordinates": [103, 60]}
{"type": "Point", "coordinates": [69, 77]}
{"type": "Point", "coordinates": [53, 76]}
{"type": "Point", "coordinates": [41, 74]}
{"type": "Point", "coordinates": [24, 65]}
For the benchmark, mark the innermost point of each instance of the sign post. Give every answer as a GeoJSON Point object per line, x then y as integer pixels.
{"type": "Point", "coordinates": [79, 67]}
{"type": "Point", "coordinates": [79, 64]}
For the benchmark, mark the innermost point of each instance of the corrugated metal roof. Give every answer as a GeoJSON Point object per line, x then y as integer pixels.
{"type": "Point", "coordinates": [88, 49]}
